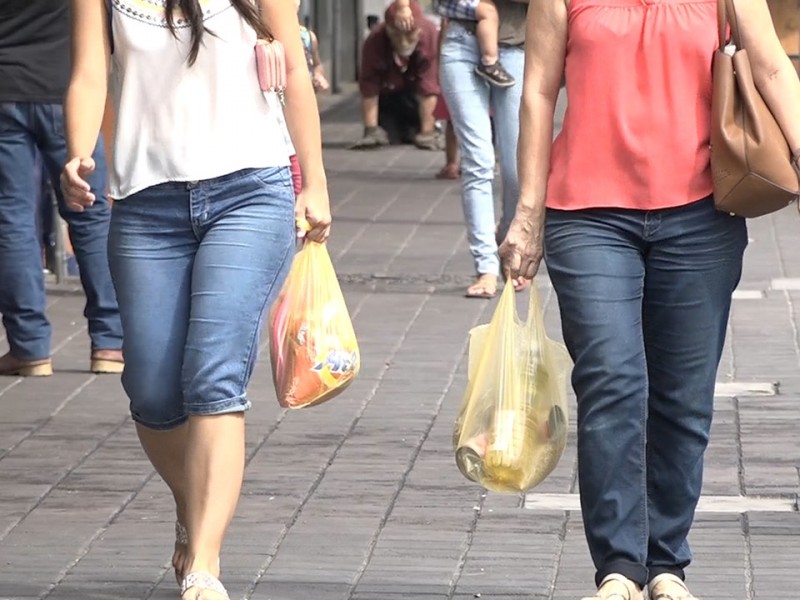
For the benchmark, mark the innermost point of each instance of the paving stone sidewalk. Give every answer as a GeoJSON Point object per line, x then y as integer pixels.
{"type": "Point", "coordinates": [359, 499]}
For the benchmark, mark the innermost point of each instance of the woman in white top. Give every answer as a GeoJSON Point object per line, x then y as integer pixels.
{"type": "Point", "coordinates": [202, 231]}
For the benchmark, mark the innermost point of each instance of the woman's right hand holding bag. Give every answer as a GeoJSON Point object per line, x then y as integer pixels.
{"type": "Point", "coordinates": [522, 250]}
{"type": "Point", "coordinates": [313, 214]}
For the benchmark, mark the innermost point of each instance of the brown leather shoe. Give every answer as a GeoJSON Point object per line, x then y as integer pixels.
{"type": "Point", "coordinates": [10, 365]}
{"type": "Point", "coordinates": [107, 361]}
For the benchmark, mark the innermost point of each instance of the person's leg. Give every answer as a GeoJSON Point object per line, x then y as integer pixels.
{"type": "Point", "coordinates": [452, 168]}
{"type": "Point", "coordinates": [389, 105]}
{"type": "Point", "coordinates": [88, 232]}
{"type": "Point", "coordinates": [423, 127]}
{"type": "Point", "coordinates": [692, 269]}
{"type": "Point", "coordinates": [404, 116]}
{"type": "Point", "coordinates": [487, 30]}
{"type": "Point", "coordinates": [595, 260]}
{"type": "Point", "coordinates": [505, 105]}
{"type": "Point", "coordinates": [22, 294]}
{"type": "Point", "coordinates": [247, 228]}
{"type": "Point", "coordinates": [451, 145]}
{"type": "Point", "coordinates": [151, 248]}
{"type": "Point", "coordinates": [468, 101]}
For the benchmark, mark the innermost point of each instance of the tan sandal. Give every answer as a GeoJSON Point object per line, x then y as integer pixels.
{"type": "Point", "coordinates": [107, 362]}
{"type": "Point", "coordinates": [669, 587]}
{"type": "Point", "coordinates": [616, 587]}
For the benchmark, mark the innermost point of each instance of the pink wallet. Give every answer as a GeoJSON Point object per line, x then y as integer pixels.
{"type": "Point", "coordinates": [271, 65]}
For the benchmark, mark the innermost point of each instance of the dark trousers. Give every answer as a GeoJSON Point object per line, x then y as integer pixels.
{"type": "Point", "coordinates": [644, 299]}
{"type": "Point", "coordinates": [26, 128]}
{"type": "Point", "coordinates": [398, 114]}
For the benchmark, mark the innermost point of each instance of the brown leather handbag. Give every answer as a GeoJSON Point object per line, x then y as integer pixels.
{"type": "Point", "coordinates": [751, 163]}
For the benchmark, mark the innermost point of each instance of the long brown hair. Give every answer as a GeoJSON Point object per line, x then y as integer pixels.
{"type": "Point", "coordinates": [193, 15]}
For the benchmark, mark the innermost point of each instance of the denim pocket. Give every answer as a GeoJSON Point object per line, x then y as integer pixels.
{"type": "Point", "coordinates": [7, 110]}
{"type": "Point", "coordinates": [273, 178]}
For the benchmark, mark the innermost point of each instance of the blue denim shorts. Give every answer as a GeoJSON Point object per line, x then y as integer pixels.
{"type": "Point", "coordinates": [195, 266]}
{"type": "Point", "coordinates": [458, 9]}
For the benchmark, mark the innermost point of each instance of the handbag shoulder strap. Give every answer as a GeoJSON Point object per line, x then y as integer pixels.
{"type": "Point", "coordinates": [726, 15]}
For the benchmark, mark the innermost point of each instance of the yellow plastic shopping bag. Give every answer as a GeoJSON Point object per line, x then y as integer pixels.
{"type": "Point", "coordinates": [313, 346]}
{"type": "Point", "coordinates": [512, 427]}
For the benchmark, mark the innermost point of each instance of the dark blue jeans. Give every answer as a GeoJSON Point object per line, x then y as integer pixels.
{"type": "Point", "coordinates": [24, 128]}
{"type": "Point", "coordinates": [644, 300]}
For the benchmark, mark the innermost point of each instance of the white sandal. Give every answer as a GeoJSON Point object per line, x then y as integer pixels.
{"type": "Point", "coordinates": [616, 587]}
{"type": "Point", "coordinates": [203, 581]}
{"type": "Point", "coordinates": [669, 587]}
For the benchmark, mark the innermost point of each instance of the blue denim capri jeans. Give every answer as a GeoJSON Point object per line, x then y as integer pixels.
{"type": "Point", "coordinates": [196, 265]}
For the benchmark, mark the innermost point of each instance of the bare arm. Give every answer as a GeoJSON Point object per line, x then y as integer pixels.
{"type": "Point", "coordinates": [369, 110]}
{"type": "Point", "coordinates": [545, 50]}
{"type": "Point", "coordinates": [773, 72]}
{"type": "Point", "coordinates": [302, 112]}
{"type": "Point", "coordinates": [85, 101]}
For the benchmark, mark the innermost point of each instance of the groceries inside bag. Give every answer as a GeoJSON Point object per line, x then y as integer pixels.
{"type": "Point", "coordinates": [512, 427]}
{"type": "Point", "coordinates": [313, 347]}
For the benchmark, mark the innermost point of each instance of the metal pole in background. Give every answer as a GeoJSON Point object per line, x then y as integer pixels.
{"type": "Point", "coordinates": [336, 46]}
{"type": "Point", "coordinates": [361, 26]}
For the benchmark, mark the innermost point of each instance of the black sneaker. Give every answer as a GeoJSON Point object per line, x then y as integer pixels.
{"type": "Point", "coordinates": [495, 74]}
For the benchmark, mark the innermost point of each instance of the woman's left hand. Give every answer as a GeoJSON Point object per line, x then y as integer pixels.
{"type": "Point", "coordinates": [77, 192]}
{"type": "Point", "coordinates": [313, 208]}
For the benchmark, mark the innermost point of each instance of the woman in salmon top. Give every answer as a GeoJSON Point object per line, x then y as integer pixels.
{"type": "Point", "coordinates": [642, 263]}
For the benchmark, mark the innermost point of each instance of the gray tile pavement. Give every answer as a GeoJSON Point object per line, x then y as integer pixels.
{"type": "Point", "coordinates": [359, 499]}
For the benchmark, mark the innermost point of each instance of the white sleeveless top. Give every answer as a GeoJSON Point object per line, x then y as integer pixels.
{"type": "Point", "coordinates": [176, 122]}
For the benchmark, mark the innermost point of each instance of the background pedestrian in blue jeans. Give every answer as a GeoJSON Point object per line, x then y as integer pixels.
{"type": "Point", "coordinates": [471, 100]}
{"type": "Point", "coordinates": [34, 70]}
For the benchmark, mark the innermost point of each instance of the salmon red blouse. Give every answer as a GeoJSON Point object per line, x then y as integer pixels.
{"type": "Point", "coordinates": [636, 130]}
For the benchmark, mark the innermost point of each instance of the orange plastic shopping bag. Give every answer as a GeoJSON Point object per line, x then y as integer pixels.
{"type": "Point", "coordinates": [313, 346]}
